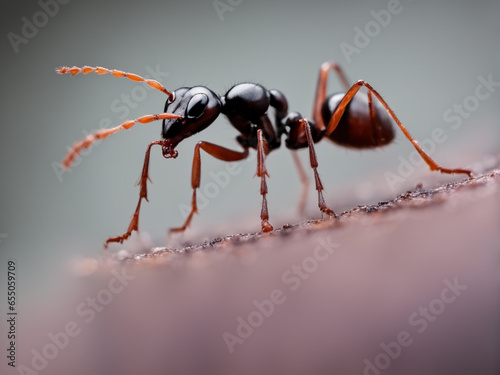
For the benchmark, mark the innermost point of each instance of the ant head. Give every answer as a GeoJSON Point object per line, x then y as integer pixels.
{"type": "Point", "coordinates": [198, 106]}
{"type": "Point", "coordinates": [187, 111]}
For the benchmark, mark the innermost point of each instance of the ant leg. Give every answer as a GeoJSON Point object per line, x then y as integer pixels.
{"type": "Point", "coordinates": [348, 97]}
{"type": "Point", "coordinates": [116, 73]}
{"type": "Point", "coordinates": [143, 180]}
{"type": "Point", "coordinates": [303, 179]}
{"type": "Point", "coordinates": [314, 165]}
{"type": "Point", "coordinates": [103, 133]}
{"type": "Point", "coordinates": [321, 89]}
{"type": "Point", "coordinates": [216, 151]}
{"type": "Point", "coordinates": [373, 117]}
{"type": "Point", "coordinates": [262, 150]}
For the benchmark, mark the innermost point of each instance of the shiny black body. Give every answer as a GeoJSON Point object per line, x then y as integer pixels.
{"type": "Point", "coordinates": [247, 105]}
{"type": "Point", "coordinates": [350, 119]}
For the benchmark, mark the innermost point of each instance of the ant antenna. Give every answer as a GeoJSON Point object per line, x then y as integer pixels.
{"type": "Point", "coordinates": [116, 73]}
{"type": "Point", "coordinates": [103, 133]}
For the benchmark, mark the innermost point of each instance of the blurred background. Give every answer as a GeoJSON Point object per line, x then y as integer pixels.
{"type": "Point", "coordinates": [425, 59]}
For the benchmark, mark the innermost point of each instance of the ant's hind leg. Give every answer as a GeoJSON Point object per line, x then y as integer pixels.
{"type": "Point", "coordinates": [304, 181]}
{"type": "Point", "coordinates": [334, 121]}
{"type": "Point", "coordinates": [314, 165]}
{"type": "Point", "coordinates": [320, 97]}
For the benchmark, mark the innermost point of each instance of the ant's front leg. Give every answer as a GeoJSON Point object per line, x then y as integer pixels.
{"type": "Point", "coordinates": [143, 181]}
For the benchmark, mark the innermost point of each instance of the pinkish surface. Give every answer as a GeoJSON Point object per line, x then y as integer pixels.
{"type": "Point", "coordinates": [403, 287]}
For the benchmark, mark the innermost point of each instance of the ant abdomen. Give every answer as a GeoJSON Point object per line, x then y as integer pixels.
{"type": "Point", "coordinates": [359, 126]}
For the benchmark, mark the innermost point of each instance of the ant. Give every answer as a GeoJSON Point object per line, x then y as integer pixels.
{"type": "Point", "coordinates": [349, 119]}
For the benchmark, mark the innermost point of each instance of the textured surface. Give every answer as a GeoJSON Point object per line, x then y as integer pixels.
{"type": "Point", "coordinates": [387, 211]}
{"type": "Point", "coordinates": [408, 286]}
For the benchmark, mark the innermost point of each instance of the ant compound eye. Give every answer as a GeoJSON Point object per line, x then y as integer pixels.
{"type": "Point", "coordinates": [196, 106]}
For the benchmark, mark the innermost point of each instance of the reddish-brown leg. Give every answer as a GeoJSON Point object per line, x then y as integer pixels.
{"type": "Point", "coordinates": [321, 89]}
{"type": "Point", "coordinates": [116, 73]}
{"type": "Point", "coordinates": [262, 150]}
{"type": "Point", "coordinates": [348, 97]}
{"type": "Point", "coordinates": [143, 180]}
{"type": "Point", "coordinates": [103, 133]}
{"type": "Point", "coordinates": [303, 179]}
{"type": "Point", "coordinates": [216, 151]}
{"type": "Point", "coordinates": [314, 165]}
{"type": "Point", "coordinates": [377, 132]}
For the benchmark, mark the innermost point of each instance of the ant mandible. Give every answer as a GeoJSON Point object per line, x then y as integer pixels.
{"type": "Point", "coordinates": [350, 119]}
